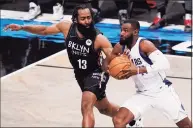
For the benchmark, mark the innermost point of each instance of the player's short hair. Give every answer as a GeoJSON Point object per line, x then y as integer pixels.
{"type": "Point", "coordinates": [78, 7]}
{"type": "Point", "coordinates": [134, 23]}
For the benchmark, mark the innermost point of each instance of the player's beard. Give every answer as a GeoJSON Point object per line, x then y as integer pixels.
{"type": "Point", "coordinates": [127, 41]}
{"type": "Point", "coordinates": [87, 32]}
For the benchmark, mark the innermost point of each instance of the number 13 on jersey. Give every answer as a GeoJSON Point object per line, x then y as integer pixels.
{"type": "Point", "coordinates": [82, 64]}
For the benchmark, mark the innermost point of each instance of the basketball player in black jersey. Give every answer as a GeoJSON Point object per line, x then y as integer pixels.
{"type": "Point", "coordinates": [84, 44]}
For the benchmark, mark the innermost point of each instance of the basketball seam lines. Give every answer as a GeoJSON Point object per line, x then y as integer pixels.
{"type": "Point", "coordinates": [120, 71]}
{"type": "Point", "coordinates": [118, 64]}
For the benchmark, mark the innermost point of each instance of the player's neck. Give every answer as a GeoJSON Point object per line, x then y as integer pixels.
{"type": "Point", "coordinates": [135, 38]}
{"type": "Point", "coordinates": [79, 34]}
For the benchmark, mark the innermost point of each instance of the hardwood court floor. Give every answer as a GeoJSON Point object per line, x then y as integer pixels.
{"type": "Point", "coordinates": [48, 96]}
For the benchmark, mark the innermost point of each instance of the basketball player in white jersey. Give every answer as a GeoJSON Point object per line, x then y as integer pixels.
{"type": "Point", "coordinates": [147, 71]}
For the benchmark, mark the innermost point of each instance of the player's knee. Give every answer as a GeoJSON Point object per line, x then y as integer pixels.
{"type": "Point", "coordinates": [86, 107]}
{"type": "Point", "coordinates": [188, 126]}
{"type": "Point", "coordinates": [185, 123]}
{"type": "Point", "coordinates": [185, 126]}
{"type": "Point", "coordinates": [117, 120]}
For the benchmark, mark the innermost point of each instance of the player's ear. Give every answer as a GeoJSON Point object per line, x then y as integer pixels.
{"type": "Point", "coordinates": [136, 32]}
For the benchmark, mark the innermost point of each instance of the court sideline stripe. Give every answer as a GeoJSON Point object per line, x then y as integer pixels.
{"type": "Point", "coordinates": [179, 77]}
{"type": "Point", "coordinates": [52, 66]}
{"type": "Point", "coordinates": [33, 64]}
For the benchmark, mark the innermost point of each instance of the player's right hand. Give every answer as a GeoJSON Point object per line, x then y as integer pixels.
{"type": "Point", "coordinates": [132, 70]}
{"type": "Point", "coordinates": [13, 27]}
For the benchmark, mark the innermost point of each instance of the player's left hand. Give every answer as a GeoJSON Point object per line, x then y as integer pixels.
{"type": "Point", "coordinates": [128, 72]}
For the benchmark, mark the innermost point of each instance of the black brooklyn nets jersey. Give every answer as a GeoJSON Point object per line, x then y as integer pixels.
{"type": "Point", "coordinates": [82, 55]}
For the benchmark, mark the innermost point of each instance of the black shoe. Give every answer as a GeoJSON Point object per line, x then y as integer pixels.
{"type": "Point", "coordinates": [187, 29]}
{"type": "Point", "coordinates": [122, 15]}
{"type": "Point", "coordinates": [132, 123]}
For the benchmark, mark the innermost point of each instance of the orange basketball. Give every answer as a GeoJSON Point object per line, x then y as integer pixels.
{"type": "Point", "coordinates": [117, 64]}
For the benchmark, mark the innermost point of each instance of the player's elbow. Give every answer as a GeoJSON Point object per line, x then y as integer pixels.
{"type": "Point", "coordinates": [162, 64]}
{"type": "Point", "coordinates": [44, 33]}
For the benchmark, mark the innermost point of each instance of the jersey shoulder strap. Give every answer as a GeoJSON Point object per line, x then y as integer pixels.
{"type": "Point", "coordinates": [98, 31]}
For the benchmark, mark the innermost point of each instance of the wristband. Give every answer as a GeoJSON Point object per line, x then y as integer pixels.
{"type": "Point", "coordinates": [137, 70]}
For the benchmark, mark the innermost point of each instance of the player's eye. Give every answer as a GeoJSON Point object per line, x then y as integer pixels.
{"type": "Point", "coordinates": [83, 18]}
{"type": "Point", "coordinates": [126, 30]}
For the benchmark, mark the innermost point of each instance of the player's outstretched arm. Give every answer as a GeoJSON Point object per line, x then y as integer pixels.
{"type": "Point", "coordinates": [40, 29]}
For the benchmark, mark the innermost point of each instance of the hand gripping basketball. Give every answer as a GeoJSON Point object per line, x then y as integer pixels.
{"type": "Point", "coordinates": [118, 65]}
{"type": "Point", "coordinates": [126, 73]}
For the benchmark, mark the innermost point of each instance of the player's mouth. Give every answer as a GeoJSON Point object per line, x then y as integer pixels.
{"type": "Point", "coordinates": [87, 26]}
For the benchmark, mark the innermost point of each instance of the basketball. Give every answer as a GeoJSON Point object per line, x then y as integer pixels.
{"type": "Point", "coordinates": [117, 64]}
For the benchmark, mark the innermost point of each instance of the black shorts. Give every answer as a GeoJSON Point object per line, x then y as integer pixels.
{"type": "Point", "coordinates": [94, 82]}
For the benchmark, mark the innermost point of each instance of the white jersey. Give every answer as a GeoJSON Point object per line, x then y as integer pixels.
{"type": "Point", "coordinates": [154, 91]}
{"type": "Point", "coordinates": [145, 81]}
